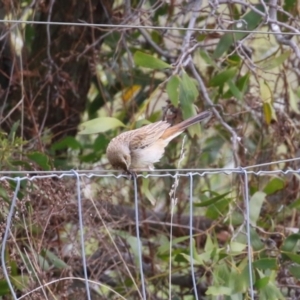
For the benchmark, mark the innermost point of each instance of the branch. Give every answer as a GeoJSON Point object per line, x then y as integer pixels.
{"type": "Point", "coordinates": [280, 38]}
{"type": "Point", "coordinates": [186, 41]}
{"type": "Point", "coordinates": [153, 44]}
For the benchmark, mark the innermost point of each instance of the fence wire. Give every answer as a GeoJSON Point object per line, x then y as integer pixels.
{"type": "Point", "coordinates": [78, 175]}
{"type": "Point", "coordinates": [132, 26]}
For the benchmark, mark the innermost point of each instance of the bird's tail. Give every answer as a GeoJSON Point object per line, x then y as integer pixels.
{"type": "Point", "coordinates": [175, 130]}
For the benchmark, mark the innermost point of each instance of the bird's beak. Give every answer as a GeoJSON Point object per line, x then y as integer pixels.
{"type": "Point", "coordinates": [125, 164]}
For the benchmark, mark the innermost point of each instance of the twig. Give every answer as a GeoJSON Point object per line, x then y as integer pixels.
{"type": "Point", "coordinates": [153, 44]}
{"type": "Point", "coordinates": [280, 38]}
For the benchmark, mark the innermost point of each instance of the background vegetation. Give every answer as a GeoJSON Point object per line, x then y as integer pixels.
{"type": "Point", "coordinates": [148, 60]}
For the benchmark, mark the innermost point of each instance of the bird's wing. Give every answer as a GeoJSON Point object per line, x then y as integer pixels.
{"type": "Point", "coordinates": [147, 135]}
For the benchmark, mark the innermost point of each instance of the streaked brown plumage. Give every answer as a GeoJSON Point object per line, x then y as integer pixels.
{"type": "Point", "coordinates": [139, 149]}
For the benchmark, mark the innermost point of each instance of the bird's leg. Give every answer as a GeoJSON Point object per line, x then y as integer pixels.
{"type": "Point", "coordinates": [131, 174]}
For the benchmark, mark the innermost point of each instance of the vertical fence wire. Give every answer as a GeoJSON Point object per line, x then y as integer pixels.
{"type": "Point", "coordinates": [247, 219]}
{"type": "Point", "coordinates": [81, 232]}
{"type": "Point", "coordinates": [6, 234]}
{"type": "Point", "coordinates": [172, 195]}
{"type": "Point", "coordinates": [139, 243]}
{"type": "Point", "coordinates": [191, 235]}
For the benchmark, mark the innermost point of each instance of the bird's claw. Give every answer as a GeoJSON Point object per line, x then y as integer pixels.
{"type": "Point", "coordinates": [131, 174]}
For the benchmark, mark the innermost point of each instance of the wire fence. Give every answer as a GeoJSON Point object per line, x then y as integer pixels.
{"type": "Point", "coordinates": [80, 175]}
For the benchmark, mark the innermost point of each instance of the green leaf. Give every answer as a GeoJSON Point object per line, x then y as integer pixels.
{"type": "Point", "coordinates": [256, 242]}
{"type": "Point", "coordinates": [234, 60]}
{"type": "Point", "coordinates": [209, 245]}
{"type": "Point", "coordinates": [133, 243]}
{"type": "Point", "coordinates": [237, 218]}
{"type": "Point", "coordinates": [4, 288]}
{"type": "Point", "coordinates": [207, 58]}
{"type": "Point", "coordinates": [100, 143]}
{"type": "Point", "coordinates": [292, 256]}
{"type": "Point", "coordinates": [295, 271]}
{"type": "Point", "coordinates": [265, 91]}
{"type": "Point", "coordinates": [41, 159]}
{"type": "Point", "coordinates": [12, 133]}
{"type": "Point", "coordinates": [222, 77]}
{"type": "Point", "coordinates": [180, 257]}
{"type": "Point", "coordinates": [269, 291]}
{"type": "Point", "coordinates": [267, 99]}
{"type": "Point", "coordinates": [20, 281]}
{"type": "Point", "coordinates": [156, 37]}
{"type": "Point", "coordinates": [23, 164]}
{"type": "Point", "coordinates": [213, 200]}
{"type": "Point", "coordinates": [3, 194]}
{"type": "Point", "coordinates": [274, 185]}
{"type": "Point", "coordinates": [43, 262]}
{"type": "Point", "coordinates": [148, 61]}
{"type": "Point", "coordinates": [290, 242]}
{"type": "Point", "coordinates": [218, 208]}
{"type": "Point", "coordinates": [222, 273]}
{"type": "Point", "coordinates": [265, 264]}
{"type": "Point", "coordinates": [261, 283]}
{"type": "Point", "coordinates": [235, 91]}
{"type": "Point", "coordinates": [219, 290]}
{"type": "Point", "coordinates": [68, 142]}
{"type": "Point", "coordinates": [242, 281]}
{"type": "Point", "coordinates": [243, 83]}
{"type": "Point", "coordinates": [274, 62]}
{"type": "Point", "coordinates": [165, 248]}
{"type": "Point", "coordinates": [236, 247]}
{"type": "Point", "coordinates": [268, 112]}
{"type": "Point", "coordinates": [188, 88]}
{"type": "Point", "coordinates": [249, 22]}
{"type": "Point", "coordinates": [146, 190]}
{"type": "Point", "coordinates": [295, 204]}
{"type": "Point", "coordinates": [290, 6]}
{"type": "Point", "coordinates": [14, 268]}
{"type": "Point", "coordinates": [197, 261]}
{"type": "Point", "coordinates": [173, 89]}
{"type": "Point", "coordinates": [188, 93]}
{"type": "Point", "coordinates": [293, 100]}
{"type": "Point", "coordinates": [255, 205]}
{"type": "Point", "coordinates": [224, 44]}
{"type": "Point", "coordinates": [89, 158]}
{"type": "Point", "coordinates": [57, 262]}
{"type": "Point", "coordinates": [97, 125]}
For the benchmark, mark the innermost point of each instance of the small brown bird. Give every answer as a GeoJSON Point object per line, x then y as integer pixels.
{"type": "Point", "coordinates": [139, 149]}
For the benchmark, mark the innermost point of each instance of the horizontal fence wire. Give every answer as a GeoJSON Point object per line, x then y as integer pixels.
{"type": "Point", "coordinates": [36, 174]}
{"type": "Point", "coordinates": [90, 174]}
{"type": "Point", "coordinates": [131, 26]}
{"type": "Point", "coordinates": [19, 176]}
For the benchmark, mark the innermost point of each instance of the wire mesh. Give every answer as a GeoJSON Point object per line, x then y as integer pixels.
{"type": "Point", "coordinates": [79, 175]}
